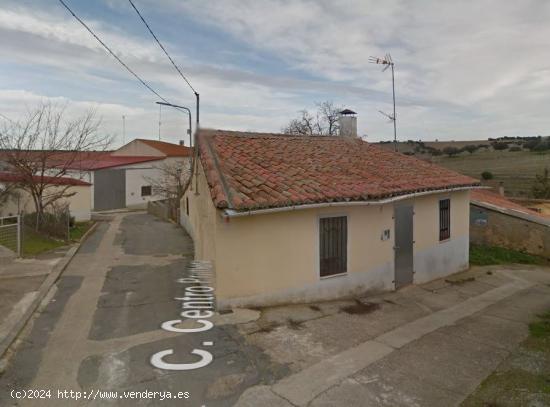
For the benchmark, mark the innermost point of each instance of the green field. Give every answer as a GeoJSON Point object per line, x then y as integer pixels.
{"type": "Point", "coordinates": [515, 169]}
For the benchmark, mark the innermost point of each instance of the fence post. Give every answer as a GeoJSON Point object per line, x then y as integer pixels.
{"type": "Point", "coordinates": [19, 235]}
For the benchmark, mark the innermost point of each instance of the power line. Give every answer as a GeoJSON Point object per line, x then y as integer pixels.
{"type": "Point", "coordinates": [111, 52]}
{"type": "Point", "coordinates": [162, 47]}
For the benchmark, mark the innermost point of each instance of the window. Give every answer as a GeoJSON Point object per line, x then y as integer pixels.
{"type": "Point", "coordinates": [444, 219]}
{"type": "Point", "coordinates": [187, 205]}
{"type": "Point", "coordinates": [146, 190]}
{"type": "Point", "coordinates": [333, 245]}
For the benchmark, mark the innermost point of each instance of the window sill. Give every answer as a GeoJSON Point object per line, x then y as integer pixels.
{"type": "Point", "coordinates": [334, 276]}
{"type": "Point", "coordinates": [445, 240]}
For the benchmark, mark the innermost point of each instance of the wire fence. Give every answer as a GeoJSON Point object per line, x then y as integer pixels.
{"type": "Point", "coordinates": [10, 233]}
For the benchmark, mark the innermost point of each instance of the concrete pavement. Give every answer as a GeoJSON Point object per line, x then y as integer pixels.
{"type": "Point", "coordinates": [100, 328]}
{"type": "Point", "coordinates": [435, 360]}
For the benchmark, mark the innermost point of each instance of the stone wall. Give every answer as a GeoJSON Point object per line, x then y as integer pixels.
{"type": "Point", "coordinates": [493, 228]}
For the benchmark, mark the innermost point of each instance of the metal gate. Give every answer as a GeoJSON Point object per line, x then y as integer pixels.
{"type": "Point", "coordinates": [10, 235]}
{"type": "Point", "coordinates": [109, 189]}
{"type": "Point", "coordinates": [403, 248]}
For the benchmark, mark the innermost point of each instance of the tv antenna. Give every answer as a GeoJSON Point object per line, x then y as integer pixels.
{"type": "Point", "coordinates": [387, 61]}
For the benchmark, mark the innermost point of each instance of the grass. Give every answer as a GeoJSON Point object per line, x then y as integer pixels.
{"type": "Point", "coordinates": [541, 329]}
{"type": "Point", "coordinates": [35, 243]}
{"type": "Point", "coordinates": [489, 255]}
{"type": "Point", "coordinates": [518, 381]}
{"type": "Point", "coordinates": [79, 229]}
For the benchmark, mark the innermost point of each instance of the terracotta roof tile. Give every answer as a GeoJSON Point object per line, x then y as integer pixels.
{"type": "Point", "coordinates": [492, 198]}
{"type": "Point", "coordinates": [255, 170]}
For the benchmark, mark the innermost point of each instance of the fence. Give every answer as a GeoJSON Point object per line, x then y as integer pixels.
{"type": "Point", "coordinates": [10, 233]}
{"type": "Point", "coordinates": [165, 209]}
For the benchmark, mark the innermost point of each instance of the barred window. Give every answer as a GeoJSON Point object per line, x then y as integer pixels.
{"type": "Point", "coordinates": [333, 245]}
{"type": "Point", "coordinates": [444, 219]}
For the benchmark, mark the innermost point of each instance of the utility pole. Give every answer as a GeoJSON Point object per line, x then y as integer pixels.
{"type": "Point", "coordinates": [388, 62]}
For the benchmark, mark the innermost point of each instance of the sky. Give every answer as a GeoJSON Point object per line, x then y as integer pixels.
{"type": "Point", "coordinates": [465, 70]}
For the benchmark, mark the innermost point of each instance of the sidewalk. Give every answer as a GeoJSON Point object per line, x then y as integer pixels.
{"type": "Point", "coordinates": [437, 359]}
{"type": "Point", "coordinates": [20, 281]}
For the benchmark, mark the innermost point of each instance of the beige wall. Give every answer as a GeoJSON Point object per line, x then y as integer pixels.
{"type": "Point", "coordinates": [137, 148]}
{"type": "Point", "coordinates": [273, 258]}
{"type": "Point", "coordinates": [201, 222]}
{"type": "Point", "coordinates": [79, 204]}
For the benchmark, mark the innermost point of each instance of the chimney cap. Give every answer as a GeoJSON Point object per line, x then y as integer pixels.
{"type": "Point", "coordinates": [347, 112]}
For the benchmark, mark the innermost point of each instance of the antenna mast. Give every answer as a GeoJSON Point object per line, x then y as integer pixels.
{"type": "Point", "coordinates": [388, 62]}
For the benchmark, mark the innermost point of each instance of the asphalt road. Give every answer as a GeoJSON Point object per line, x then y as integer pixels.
{"type": "Point", "coordinates": [102, 325]}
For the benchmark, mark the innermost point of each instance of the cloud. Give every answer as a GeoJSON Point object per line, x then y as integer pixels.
{"type": "Point", "coordinates": [463, 69]}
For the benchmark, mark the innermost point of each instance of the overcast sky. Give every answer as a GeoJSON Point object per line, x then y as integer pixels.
{"type": "Point", "coordinates": [464, 70]}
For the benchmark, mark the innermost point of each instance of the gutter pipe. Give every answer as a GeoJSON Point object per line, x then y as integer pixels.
{"type": "Point", "coordinates": [231, 213]}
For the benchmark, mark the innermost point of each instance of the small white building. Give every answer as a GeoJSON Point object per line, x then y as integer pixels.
{"type": "Point", "coordinates": [123, 178]}
{"type": "Point", "coordinates": [20, 200]}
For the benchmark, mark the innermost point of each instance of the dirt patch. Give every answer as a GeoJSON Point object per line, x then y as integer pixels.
{"type": "Point", "coordinates": [361, 308]}
{"type": "Point", "coordinates": [461, 281]}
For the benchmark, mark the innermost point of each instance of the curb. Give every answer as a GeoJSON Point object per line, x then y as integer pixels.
{"type": "Point", "coordinates": [50, 280]}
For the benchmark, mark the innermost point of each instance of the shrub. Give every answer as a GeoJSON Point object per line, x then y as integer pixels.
{"type": "Point", "coordinates": [542, 146]}
{"type": "Point", "coordinates": [471, 148]}
{"type": "Point", "coordinates": [515, 148]}
{"type": "Point", "coordinates": [500, 146]}
{"type": "Point", "coordinates": [486, 175]}
{"type": "Point", "coordinates": [541, 186]}
{"type": "Point", "coordinates": [450, 151]}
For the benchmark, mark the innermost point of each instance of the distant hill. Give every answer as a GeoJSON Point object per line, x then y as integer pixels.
{"type": "Point", "coordinates": [512, 162]}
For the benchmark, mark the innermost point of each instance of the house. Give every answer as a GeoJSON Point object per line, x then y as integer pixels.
{"type": "Point", "coordinates": [296, 219]}
{"type": "Point", "coordinates": [122, 178]}
{"type": "Point", "coordinates": [20, 200]}
{"type": "Point", "coordinates": [498, 221]}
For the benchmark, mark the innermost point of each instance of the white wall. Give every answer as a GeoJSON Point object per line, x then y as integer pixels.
{"type": "Point", "coordinates": [138, 175]}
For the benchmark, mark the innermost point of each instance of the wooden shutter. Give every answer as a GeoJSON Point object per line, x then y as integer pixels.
{"type": "Point", "coordinates": [333, 245]}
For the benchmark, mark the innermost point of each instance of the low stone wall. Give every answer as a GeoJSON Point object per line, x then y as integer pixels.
{"type": "Point", "coordinates": [493, 228]}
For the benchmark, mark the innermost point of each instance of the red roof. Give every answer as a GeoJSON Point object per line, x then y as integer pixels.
{"type": "Point", "coordinates": [169, 149]}
{"type": "Point", "coordinates": [255, 170]}
{"type": "Point", "coordinates": [108, 161]}
{"type": "Point", "coordinates": [13, 177]}
{"type": "Point", "coordinates": [486, 196]}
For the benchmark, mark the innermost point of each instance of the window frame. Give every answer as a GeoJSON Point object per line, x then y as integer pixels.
{"type": "Point", "coordinates": [318, 245]}
{"type": "Point", "coordinates": [444, 230]}
{"type": "Point", "coordinates": [150, 190]}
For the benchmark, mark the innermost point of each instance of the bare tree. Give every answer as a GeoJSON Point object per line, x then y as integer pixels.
{"type": "Point", "coordinates": [44, 147]}
{"type": "Point", "coordinates": [324, 122]}
{"type": "Point", "coordinates": [172, 179]}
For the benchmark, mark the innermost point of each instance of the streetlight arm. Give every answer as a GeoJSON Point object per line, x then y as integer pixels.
{"type": "Point", "coordinates": [188, 112]}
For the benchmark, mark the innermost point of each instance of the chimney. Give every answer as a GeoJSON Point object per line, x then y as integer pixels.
{"type": "Point", "coordinates": [501, 188]}
{"type": "Point", "coordinates": [347, 121]}
{"type": "Point", "coordinates": [182, 142]}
